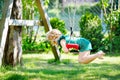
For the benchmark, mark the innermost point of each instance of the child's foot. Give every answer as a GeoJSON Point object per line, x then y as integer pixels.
{"type": "Point", "coordinates": [100, 54]}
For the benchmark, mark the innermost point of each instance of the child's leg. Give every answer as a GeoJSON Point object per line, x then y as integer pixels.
{"type": "Point", "coordinates": [85, 57]}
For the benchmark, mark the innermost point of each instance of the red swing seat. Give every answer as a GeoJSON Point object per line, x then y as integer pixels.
{"type": "Point", "coordinates": [72, 46]}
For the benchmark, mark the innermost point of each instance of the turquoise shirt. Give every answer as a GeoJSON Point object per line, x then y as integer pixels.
{"type": "Point", "coordinates": [84, 44]}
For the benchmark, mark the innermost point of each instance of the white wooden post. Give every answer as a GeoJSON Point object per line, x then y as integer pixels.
{"type": "Point", "coordinates": [15, 22]}
{"type": "Point", "coordinates": [5, 30]}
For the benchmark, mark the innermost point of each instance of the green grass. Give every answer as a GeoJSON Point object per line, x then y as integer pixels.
{"type": "Point", "coordinates": [41, 67]}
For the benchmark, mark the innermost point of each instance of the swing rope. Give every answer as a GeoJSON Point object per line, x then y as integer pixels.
{"type": "Point", "coordinates": [72, 19]}
{"type": "Point", "coordinates": [72, 22]}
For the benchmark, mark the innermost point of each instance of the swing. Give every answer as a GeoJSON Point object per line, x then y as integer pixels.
{"type": "Point", "coordinates": [75, 47]}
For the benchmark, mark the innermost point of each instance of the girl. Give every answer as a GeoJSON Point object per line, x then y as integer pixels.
{"type": "Point", "coordinates": [57, 39]}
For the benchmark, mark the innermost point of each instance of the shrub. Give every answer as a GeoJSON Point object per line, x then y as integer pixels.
{"type": "Point", "coordinates": [56, 23]}
{"type": "Point", "coordinates": [91, 28]}
{"type": "Point", "coordinates": [36, 46]}
{"type": "Point", "coordinates": [116, 44]}
{"type": "Point", "coordinates": [113, 27]}
{"type": "Point", "coordinates": [113, 21]}
{"type": "Point", "coordinates": [43, 45]}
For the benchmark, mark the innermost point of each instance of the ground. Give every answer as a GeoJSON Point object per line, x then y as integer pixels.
{"type": "Point", "coordinates": [41, 67]}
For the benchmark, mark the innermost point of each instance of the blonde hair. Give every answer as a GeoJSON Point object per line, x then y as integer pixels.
{"type": "Point", "coordinates": [53, 36]}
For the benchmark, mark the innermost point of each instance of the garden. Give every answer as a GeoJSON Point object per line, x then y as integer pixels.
{"type": "Point", "coordinates": [96, 20]}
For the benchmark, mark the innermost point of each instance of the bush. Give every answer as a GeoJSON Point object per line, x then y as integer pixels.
{"type": "Point", "coordinates": [36, 46]}
{"type": "Point", "coordinates": [113, 27]}
{"type": "Point", "coordinates": [113, 22]}
{"type": "Point", "coordinates": [91, 28]}
{"type": "Point", "coordinates": [56, 23]}
{"type": "Point", "coordinates": [116, 44]}
{"type": "Point", "coordinates": [43, 45]}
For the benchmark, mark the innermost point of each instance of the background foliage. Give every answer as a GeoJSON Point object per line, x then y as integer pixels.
{"type": "Point", "coordinates": [113, 27]}
{"type": "Point", "coordinates": [91, 29]}
{"type": "Point", "coordinates": [99, 22]}
{"type": "Point", "coordinates": [59, 24]}
{"type": "Point", "coordinates": [1, 6]}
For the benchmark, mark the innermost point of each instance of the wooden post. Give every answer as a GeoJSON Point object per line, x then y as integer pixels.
{"type": "Point", "coordinates": [47, 26]}
{"type": "Point", "coordinates": [15, 22]}
{"type": "Point", "coordinates": [8, 10]}
{"type": "Point", "coordinates": [44, 16]}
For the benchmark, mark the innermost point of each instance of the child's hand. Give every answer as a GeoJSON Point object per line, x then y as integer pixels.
{"type": "Point", "coordinates": [63, 44]}
{"type": "Point", "coordinates": [65, 50]}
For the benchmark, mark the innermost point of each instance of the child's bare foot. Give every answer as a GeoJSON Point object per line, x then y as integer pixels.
{"type": "Point", "coordinates": [100, 54]}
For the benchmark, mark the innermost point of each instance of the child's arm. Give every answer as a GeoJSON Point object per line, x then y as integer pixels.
{"type": "Point", "coordinates": [63, 44]}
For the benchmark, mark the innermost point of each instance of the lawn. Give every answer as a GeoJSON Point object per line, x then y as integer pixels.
{"type": "Point", "coordinates": [41, 67]}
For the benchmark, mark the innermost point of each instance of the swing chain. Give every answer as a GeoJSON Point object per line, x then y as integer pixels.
{"type": "Point", "coordinates": [71, 31]}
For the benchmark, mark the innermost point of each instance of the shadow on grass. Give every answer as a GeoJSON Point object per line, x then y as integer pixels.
{"type": "Point", "coordinates": [110, 77]}
{"type": "Point", "coordinates": [64, 61]}
{"type": "Point", "coordinates": [15, 77]}
{"type": "Point", "coordinates": [72, 71]}
{"type": "Point", "coordinates": [54, 72]}
{"type": "Point", "coordinates": [46, 69]}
